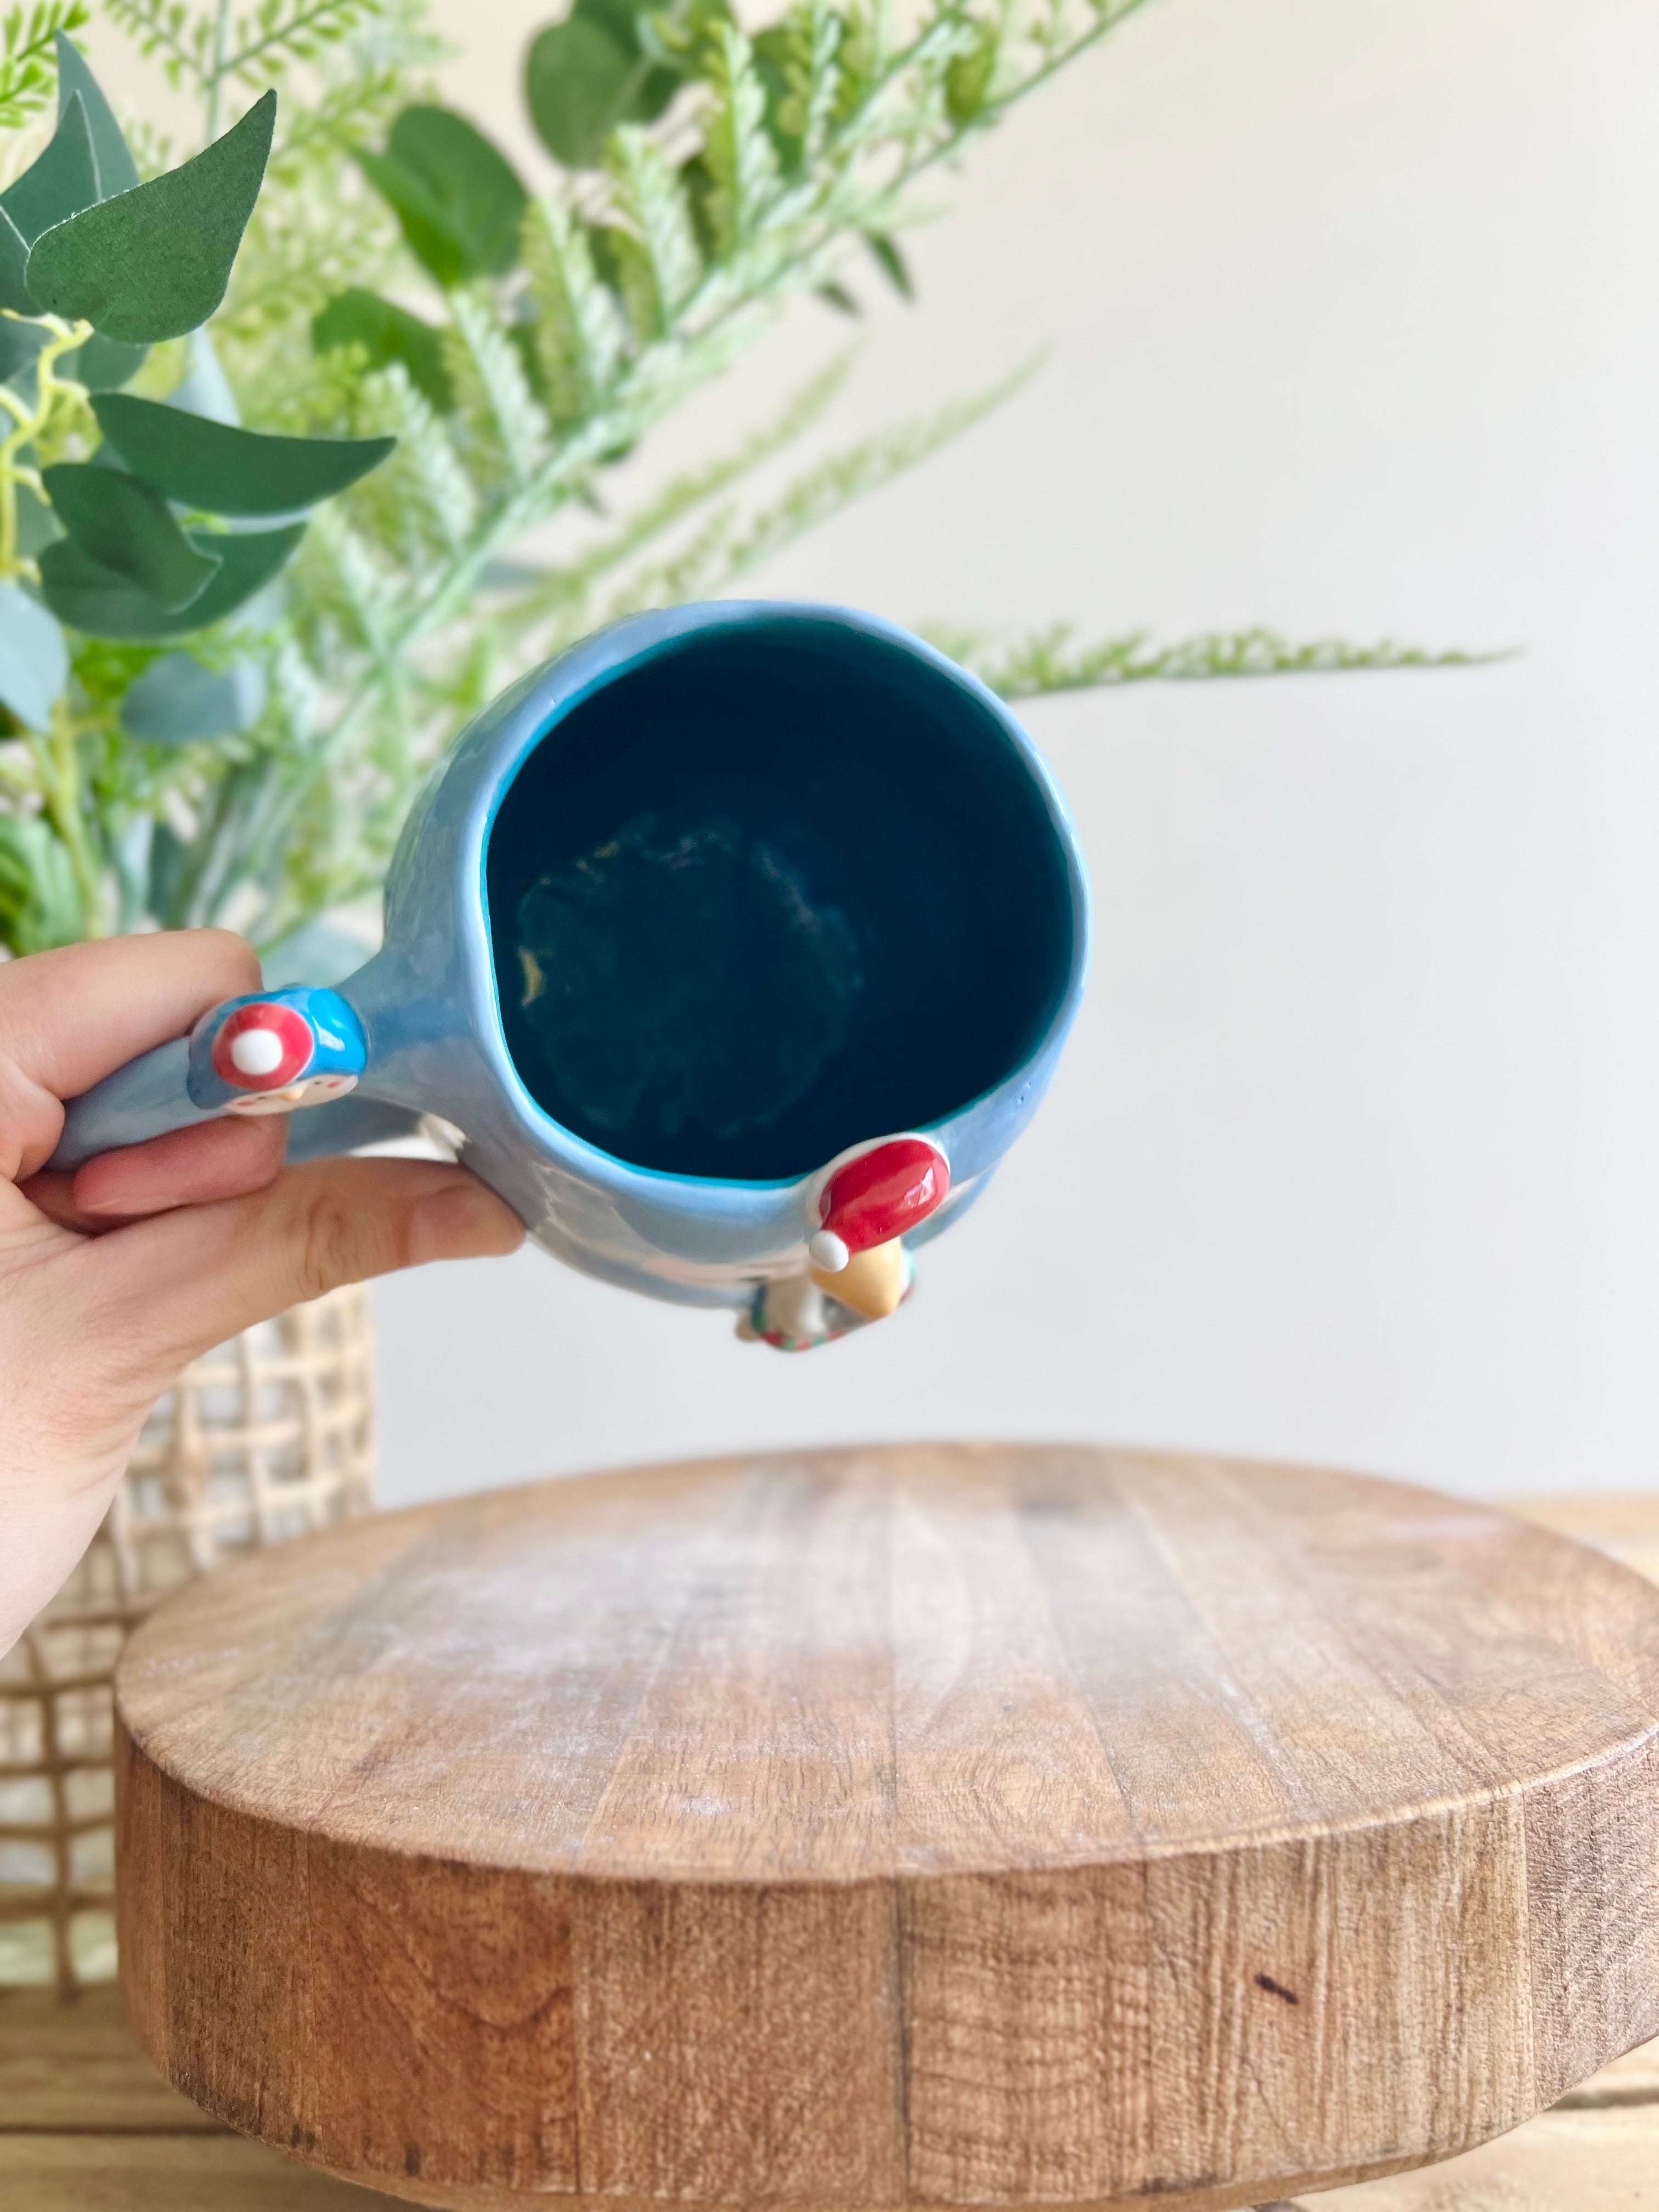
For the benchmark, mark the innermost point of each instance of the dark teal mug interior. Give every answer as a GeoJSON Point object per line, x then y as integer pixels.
{"type": "Point", "coordinates": [769, 893]}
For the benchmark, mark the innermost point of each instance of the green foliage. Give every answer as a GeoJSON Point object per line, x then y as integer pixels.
{"type": "Point", "coordinates": [202, 53]}
{"type": "Point", "coordinates": [588, 75]}
{"type": "Point", "coordinates": [448, 363]}
{"type": "Point", "coordinates": [126, 525]}
{"type": "Point", "coordinates": [1050, 661]}
{"type": "Point", "coordinates": [40, 901]}
{"type": "Point", "coordinates": [13, 265]}
{"type": "Point", "coordinates": [227, 470]}
{"type": "Point", "coordinates": [95, 266]}
{"type": "Point", "coordinates": [28, 39]}
{"type": "Point", "coordinates": [154, 263]}
{"type": "Point", "coordinates": [383, 333]}
{"type": "Point", "coordinates": [64, 180]}
{"type": "Point", "coordinates": [86, 594]}
{"type": "Point", "coordinates": [118, 172]}
{"type": "Point", "coordinates": [178, 701]}
{"type": "Point", "coordinates": [457, 199]}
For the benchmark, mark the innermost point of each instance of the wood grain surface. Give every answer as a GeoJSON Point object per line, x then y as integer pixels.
{"type": "Point", "coordinates": [933, 1826]}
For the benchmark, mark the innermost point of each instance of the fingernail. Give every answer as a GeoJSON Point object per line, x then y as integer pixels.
{"type": "Point", "coordinates": [463, 1221]}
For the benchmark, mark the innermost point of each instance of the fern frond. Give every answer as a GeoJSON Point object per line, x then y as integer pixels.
{"type": "Point", "coordinates": [361, 598]}
{"type": "Point", "coordinates": [296, 696]}
{"type": "Point", "coordinates": [651, 201]}
{"type": "Point", "coordinates": [28, 67]}
{"type": "Point", "coordinates": [165, 31]}
{"type": "Point", "coordinates": [295, 257]}
{"type": "Point", "coordinates": [421, 501]}
{"type": "Point", "coordinates": [492, 391]}
{"type": "Point", "coordinates": [279, 32]}
{"type": "Point", "coordinates": [836, 483]}
{"type": "Point", "coordinates": [343, 115]}
{"type": "Point", "coordinates": [1048, 661]}
{"type": "Point", "coordinates": [738, 150]}
{"type": "Point", "coordinates": [637, 286]}
{"type": "Point", "coordinates": [818, 87]}
{"type": "Point", "coordinates": [580, 338]}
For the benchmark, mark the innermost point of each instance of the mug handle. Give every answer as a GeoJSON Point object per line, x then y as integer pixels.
{"type": "Point", "coordinates": [268, 1053]}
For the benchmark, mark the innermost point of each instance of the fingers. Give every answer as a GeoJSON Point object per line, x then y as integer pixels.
{"type": "Point", "coordinates": [169, 1288]}
{"type": "Point", "coordinates": [218, 1159]}
{"type": "Point", "coordinates": [69, 1017]}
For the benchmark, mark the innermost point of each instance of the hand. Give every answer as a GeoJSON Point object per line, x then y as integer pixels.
{"type": "Point", "coordinates": [112, 1278]}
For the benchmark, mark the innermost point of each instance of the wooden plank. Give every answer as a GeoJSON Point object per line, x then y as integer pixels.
{"type": "Point", "coordinates": [78, 2066]}
{"type": "Point", "coordinates": [164, 2174]}
{"type": "Point", "coordinates": [1576, 2161]}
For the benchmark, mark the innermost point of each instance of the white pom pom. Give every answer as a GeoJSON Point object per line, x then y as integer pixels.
{"type": "Point", "coordinates": [827, 1251]}
{"type": "Point", "coordinates": [256, 1051]}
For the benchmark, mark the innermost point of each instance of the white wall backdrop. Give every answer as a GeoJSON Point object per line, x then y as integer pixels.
{"type": "Point", "coordinates": [1352, 325]}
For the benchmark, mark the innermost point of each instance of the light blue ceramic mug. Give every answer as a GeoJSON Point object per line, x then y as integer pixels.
{"type": "Point", "coordinates": [738, 944]}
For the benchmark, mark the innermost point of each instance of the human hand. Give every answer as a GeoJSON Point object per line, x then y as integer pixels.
{"type": "Point", "coordinates": [114, 1277]}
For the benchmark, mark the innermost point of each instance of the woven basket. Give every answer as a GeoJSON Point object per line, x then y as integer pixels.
{"type": "Point", "coordinates": [266, 1439]}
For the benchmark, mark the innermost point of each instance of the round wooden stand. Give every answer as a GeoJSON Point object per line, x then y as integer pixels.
{"type": "Point", "coordinates": [1003, 1825]}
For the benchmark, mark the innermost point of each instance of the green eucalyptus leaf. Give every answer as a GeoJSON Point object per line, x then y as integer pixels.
{"type": "Point", "coordinates": [458, 200]}
{"type": "Point", "coordinates": [40, 902]}
{"type": "Point", "coordinates": [226, 470]}
{"type": "Point", "coordinates": [891, 263]}
{"type": "Point", "coordinates": [474, 180]}
{"type": "Point", "coordinates": [154, 261]}
{"type": "Point", "coordinates": [838, 297]}
{"type": "Point", "coordinates": [127, 526]}
{"type": "Point", "coordinates": [62, 182]}
{"type": "Point", "coordinates": [386, 333]}
{"type": "Point", "coordinates": [177, 702]}
{"type": "Point", "coordinates": [116, 170]}
{"type": "Point", "coordinates": [621, 18]}
{"type": "Point", "coordinates": [33, 658]}
{"type": "Point", "coordinates": [578, 82]}
{"type": "Point", "coordinates": [90, 598]}
{"type": "Point", "coordinates": [14, 262]}
{"type": "Point", "coordinates": [421, 216]}
{"type": "Point", "coordinates": [105, 364]}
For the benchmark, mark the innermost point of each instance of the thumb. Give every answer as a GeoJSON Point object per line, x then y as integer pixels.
{"type": "Point", "coordinates": [166, 1289]}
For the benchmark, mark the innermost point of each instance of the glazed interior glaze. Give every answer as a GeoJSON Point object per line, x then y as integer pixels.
{"type": "Point", "coordinates": [773, 891]}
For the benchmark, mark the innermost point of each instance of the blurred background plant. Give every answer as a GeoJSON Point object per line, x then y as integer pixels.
{"type": "Point", "coordinates": [229, 655]}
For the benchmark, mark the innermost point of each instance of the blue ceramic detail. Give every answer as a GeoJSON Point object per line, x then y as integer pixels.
{"type": "Point", "coordinates": [790, 840]}
{"type": "Point", "coordinates": [335, 1042]}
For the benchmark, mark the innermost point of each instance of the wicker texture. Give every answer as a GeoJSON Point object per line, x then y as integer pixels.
{"type": "Point", "coordinates": [266, 1439]}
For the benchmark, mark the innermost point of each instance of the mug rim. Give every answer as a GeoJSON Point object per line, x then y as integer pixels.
{"type": "Point", "coordinates": [594, 664]}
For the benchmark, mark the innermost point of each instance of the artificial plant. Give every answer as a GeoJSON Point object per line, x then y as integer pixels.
{"type": "Point", "coordinates": [230, 654]}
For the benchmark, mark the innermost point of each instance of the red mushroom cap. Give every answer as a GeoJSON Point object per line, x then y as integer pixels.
{"type": "Point", "coordinates": [290, 1037]}
{"type": "Point", "coordinates": [881, 1194]}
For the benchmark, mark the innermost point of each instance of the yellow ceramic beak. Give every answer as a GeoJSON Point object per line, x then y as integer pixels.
{"type": "Point", "coordinates": [872, 1283]}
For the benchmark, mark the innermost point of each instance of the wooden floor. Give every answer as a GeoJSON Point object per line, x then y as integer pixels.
{"type": "Point", "coordinates": [87, 2126]}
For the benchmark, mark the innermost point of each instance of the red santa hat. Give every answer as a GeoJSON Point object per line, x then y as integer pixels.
{"type": "Point", "coordinates": [872, 1193]}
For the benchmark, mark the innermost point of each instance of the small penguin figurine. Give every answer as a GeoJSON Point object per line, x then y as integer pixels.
{"type": "Point", "coordinates": [860, 1270]}
{"type": "Point", "coordinates": [274, 1051]}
